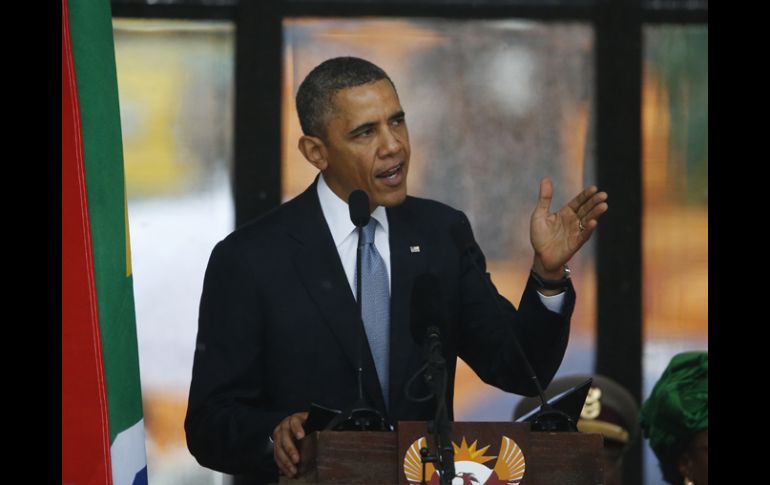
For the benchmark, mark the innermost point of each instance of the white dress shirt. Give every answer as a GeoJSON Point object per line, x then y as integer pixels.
{"type": "Point", "coordinates": [344, 232]}
{"type": "Point", "coordinates": [337, 215]}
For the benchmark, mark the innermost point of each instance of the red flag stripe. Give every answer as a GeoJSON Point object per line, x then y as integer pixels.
{"type": "Point", "coordinates": [85, 422]}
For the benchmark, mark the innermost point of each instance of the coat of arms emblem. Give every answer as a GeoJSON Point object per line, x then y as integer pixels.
{"type": "Point", "coordinates": [470, 464]}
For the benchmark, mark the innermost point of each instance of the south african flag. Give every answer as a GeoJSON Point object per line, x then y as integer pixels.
{"type": "Point", "coordinates": [102, 421]}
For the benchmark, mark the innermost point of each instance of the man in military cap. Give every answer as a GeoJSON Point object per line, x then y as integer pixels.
{"type": "Point", "coordinates": [609, 409]}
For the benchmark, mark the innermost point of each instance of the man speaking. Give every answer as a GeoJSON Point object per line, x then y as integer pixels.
{"type": "Point", "coordinates": [279, 325]}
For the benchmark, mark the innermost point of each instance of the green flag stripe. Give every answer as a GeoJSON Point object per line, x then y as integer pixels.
{"type": "Point", "coordinates": [94, 53]}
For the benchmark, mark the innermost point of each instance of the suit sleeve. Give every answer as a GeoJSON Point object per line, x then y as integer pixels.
{"type": "Point", "coordinates": [229, 419]}
{"type": "Point", "coordinates": [488, 341]}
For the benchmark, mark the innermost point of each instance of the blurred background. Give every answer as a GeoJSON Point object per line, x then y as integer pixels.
{"type": "Point", "coordinates": [496, 96]}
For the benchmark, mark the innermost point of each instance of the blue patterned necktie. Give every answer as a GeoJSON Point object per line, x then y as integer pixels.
{"type": "Point", "coordinates": [375, 304]}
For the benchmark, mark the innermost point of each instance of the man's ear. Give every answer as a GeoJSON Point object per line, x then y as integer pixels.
{"type": "Point", "coordinates": [684, 464]}
{"type": "Point", "coordinates": [314, 151]}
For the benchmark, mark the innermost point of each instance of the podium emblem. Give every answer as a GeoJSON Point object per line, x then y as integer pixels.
{"type": "Point", "coordinates": [471, 464]}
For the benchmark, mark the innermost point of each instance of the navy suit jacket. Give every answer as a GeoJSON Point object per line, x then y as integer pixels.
{"type": "Point", "coordinates": [279, 329]}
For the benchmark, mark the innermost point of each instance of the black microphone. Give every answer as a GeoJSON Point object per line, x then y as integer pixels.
{"type": "Point", "coordinates": [426, 322]}
{"type": "Point", "coordinates": [548, 418]}
{"type": "Point", "coordinates": [360, 416]}
{"type": "Point", "coordinates": [358, 204]}
{"type": "Point", "coordinates": [427, 313]}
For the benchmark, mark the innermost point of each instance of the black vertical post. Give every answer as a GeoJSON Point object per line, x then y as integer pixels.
{"type": "Point", "coordinates": [619, 261]}
{"type": "Point", "coordinates": [258, 67]}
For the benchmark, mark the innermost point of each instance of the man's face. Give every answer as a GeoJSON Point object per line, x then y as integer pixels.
{"type": "Point", "coordinates": [367, 144]}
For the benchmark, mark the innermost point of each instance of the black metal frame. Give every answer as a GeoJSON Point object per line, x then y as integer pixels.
{"type": "Point", "coordinates": [618, 29]}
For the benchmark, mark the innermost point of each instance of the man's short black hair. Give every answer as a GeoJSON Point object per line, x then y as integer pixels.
{"type": "Point", "coordinates": [315, 96]}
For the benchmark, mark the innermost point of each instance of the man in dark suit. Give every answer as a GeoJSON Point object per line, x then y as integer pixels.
{"type": "Point", "coordinates": [279, 327]}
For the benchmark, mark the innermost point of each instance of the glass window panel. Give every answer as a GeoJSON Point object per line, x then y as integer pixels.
{"type": "Point", "coordinates": [675, 5]}
{"type": "Point", "coordinates": [175, 81]}
{"type": "Point", "coordinates": [675, 211]}
{"type": "Point", "coordinates": [492, 106]}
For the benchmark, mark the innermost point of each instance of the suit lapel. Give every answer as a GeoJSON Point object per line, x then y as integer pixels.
{"type": "Point", "coordinates": [408, 260]}
{"type": "Point", "coordinates": [318, 265]}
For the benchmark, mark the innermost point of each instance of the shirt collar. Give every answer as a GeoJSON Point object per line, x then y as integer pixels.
{"type": "Point", "coordinates": [337, 215]}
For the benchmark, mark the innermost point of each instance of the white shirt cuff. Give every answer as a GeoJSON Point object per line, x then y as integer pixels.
{"type": "Point", "coordinates": [553, 303]}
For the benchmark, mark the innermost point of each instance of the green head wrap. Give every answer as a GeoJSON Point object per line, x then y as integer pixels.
{"type": "Point", "coordinates": [678, 407]}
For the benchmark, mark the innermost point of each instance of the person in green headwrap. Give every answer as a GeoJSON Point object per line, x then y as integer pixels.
{"type": "Point", "coordinates": [675, 419]}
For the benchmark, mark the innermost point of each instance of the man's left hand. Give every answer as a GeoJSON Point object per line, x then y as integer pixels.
{"type": "Point", "coordinates": [556, 237]}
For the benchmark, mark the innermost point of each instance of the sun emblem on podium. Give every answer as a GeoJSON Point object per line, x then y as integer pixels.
{"type": "Point", "coordinates": [470, 464]}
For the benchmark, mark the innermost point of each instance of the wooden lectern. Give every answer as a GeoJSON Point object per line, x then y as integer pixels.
{"type": "Point", "coordinates": [493, 453]}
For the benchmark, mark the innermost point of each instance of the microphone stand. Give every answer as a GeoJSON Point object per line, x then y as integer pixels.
{"type": "Point", "coordinates": [436, 377]}
{"type": "Point", "coordinates": [360, 416]}
{"type": "Point", "coordinates": [426, 320]}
